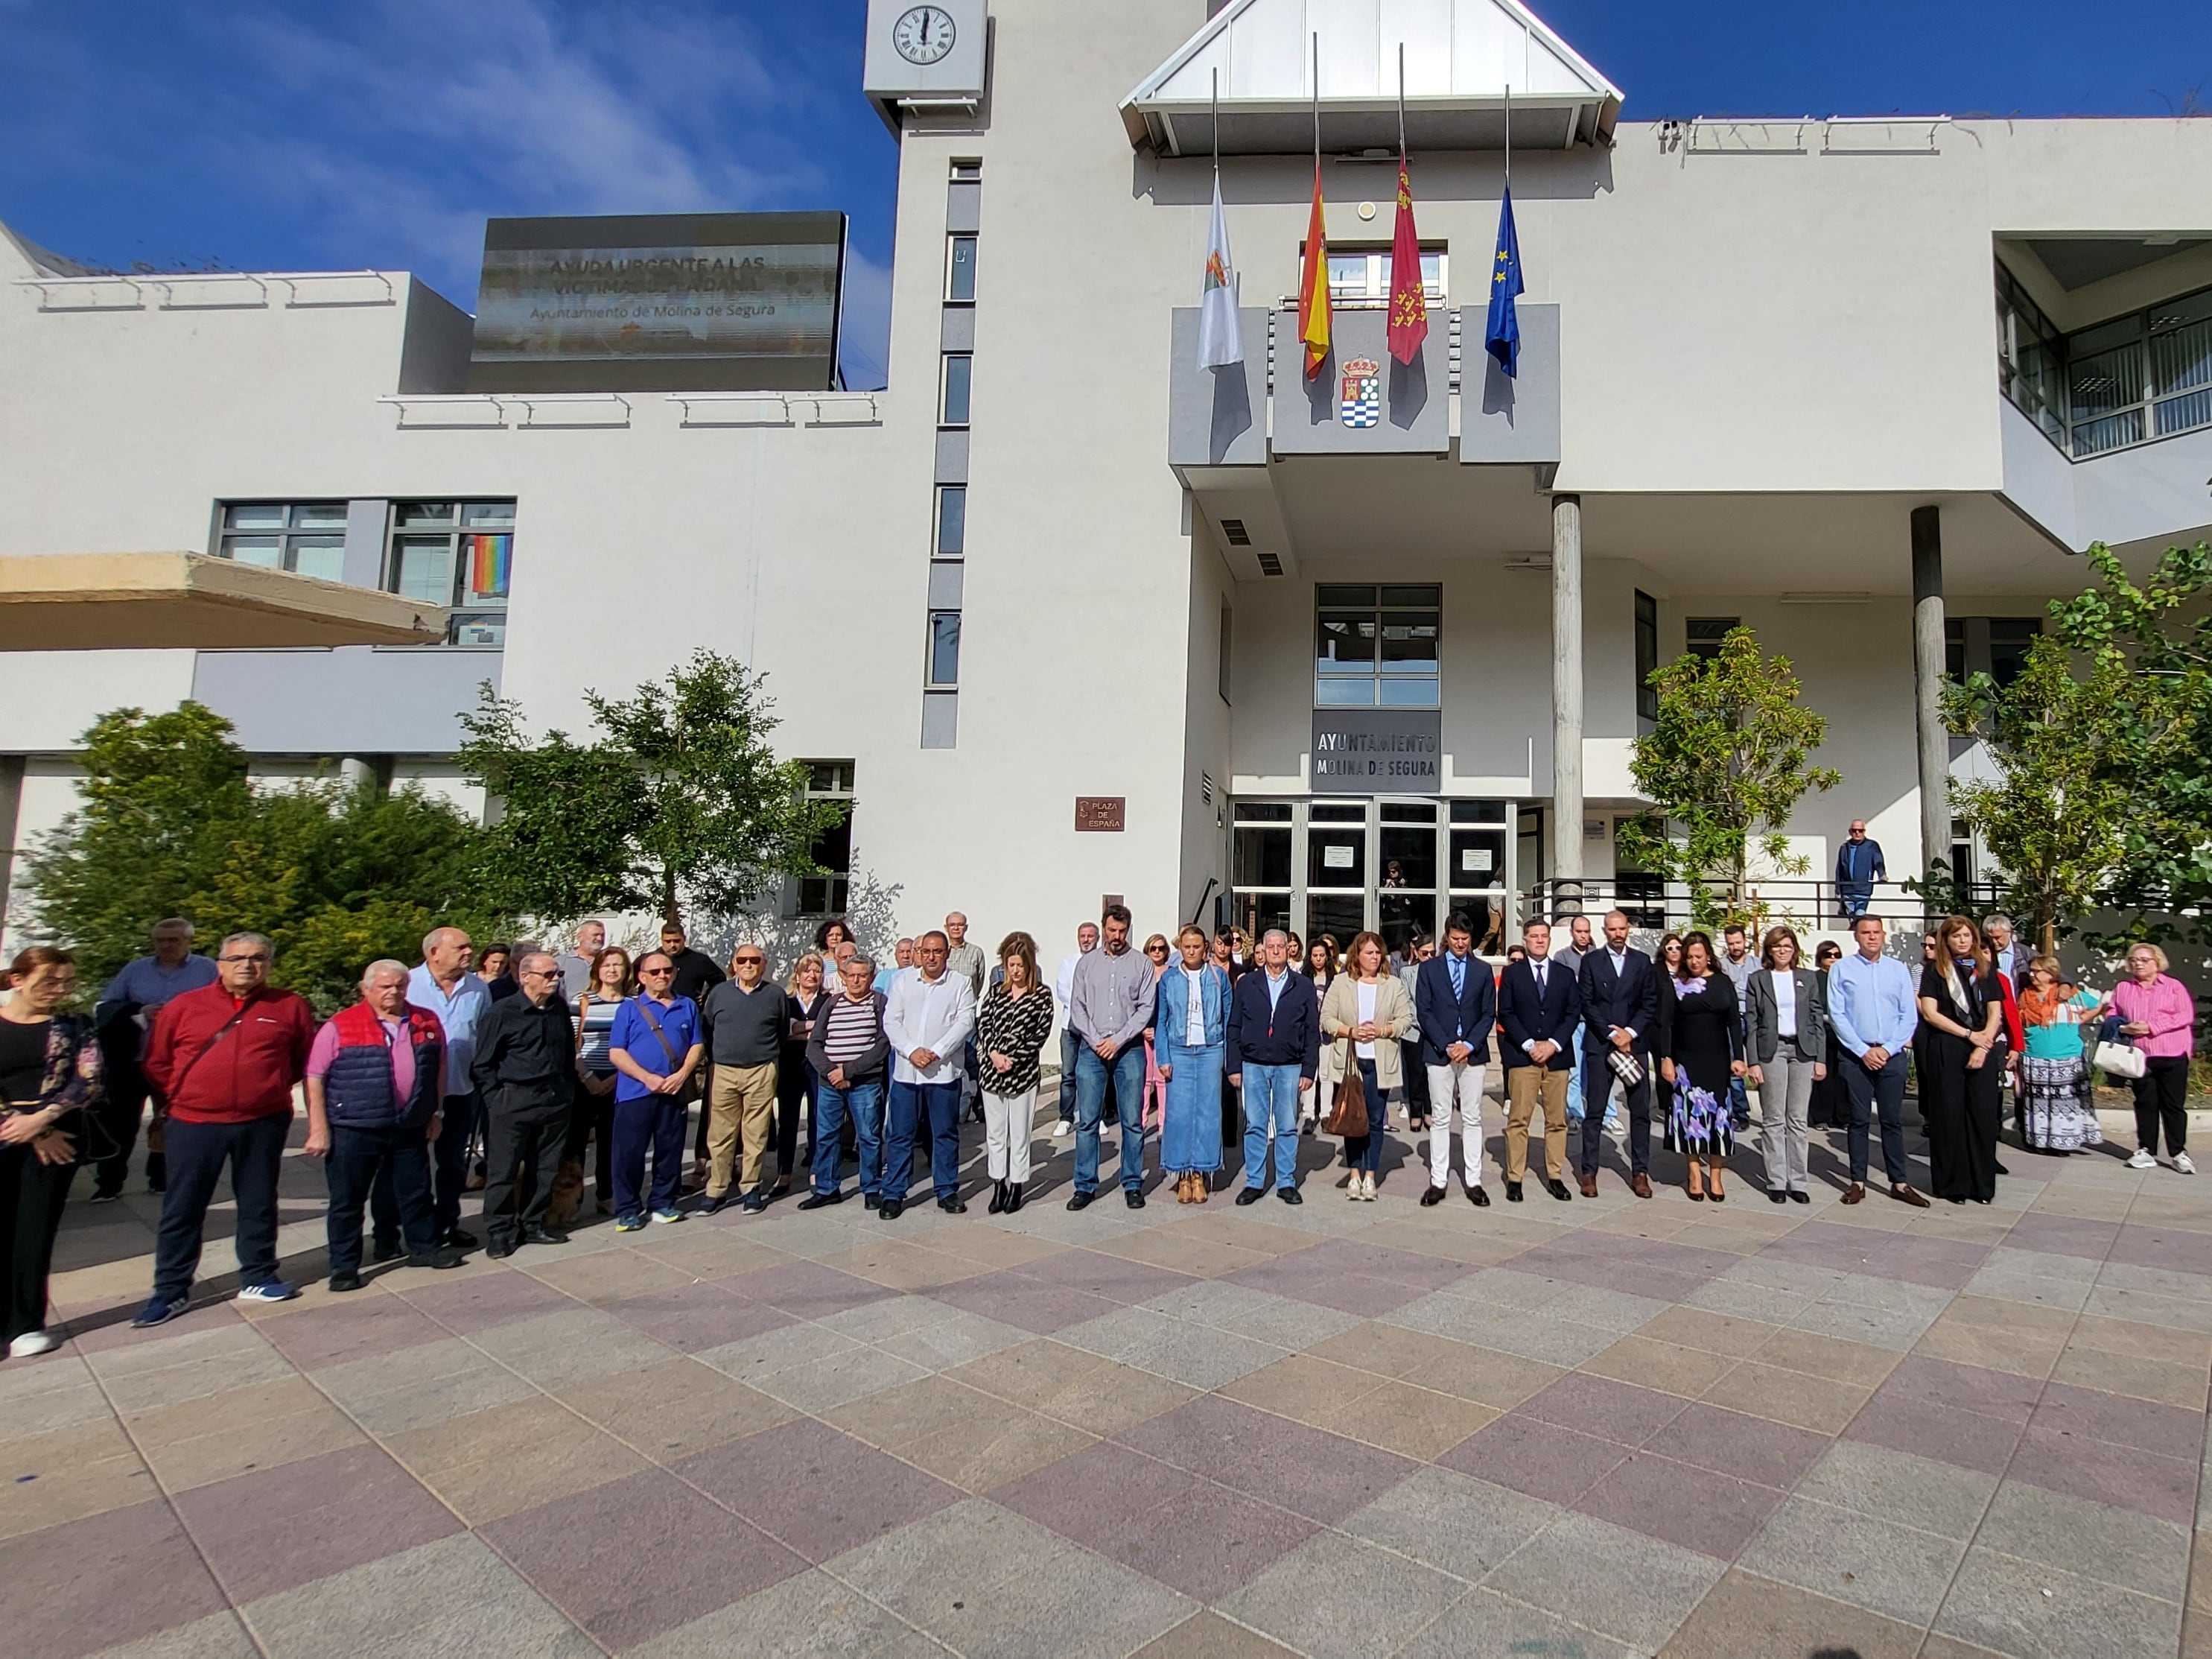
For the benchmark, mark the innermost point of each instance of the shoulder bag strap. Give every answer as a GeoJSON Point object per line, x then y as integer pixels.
{"type": "Point", "coordinates": [177, 1083]}
{"type": "Point", "coordinates": [645, 1008]}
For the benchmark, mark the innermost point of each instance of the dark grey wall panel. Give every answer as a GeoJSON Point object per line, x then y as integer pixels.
{"type": "Point", "coordinates": [1217, 416]}
{"type": "Point", "coordinates": [1504, 419]}
{"type": "Point", "coordinates": [1413, 414]}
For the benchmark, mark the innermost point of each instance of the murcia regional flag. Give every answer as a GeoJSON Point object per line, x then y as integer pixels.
{"type": "Point", "coordinates": [1221, 340]}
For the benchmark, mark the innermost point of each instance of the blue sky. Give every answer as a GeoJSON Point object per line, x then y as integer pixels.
{"type": "Point", "coordinates": [303, 134]}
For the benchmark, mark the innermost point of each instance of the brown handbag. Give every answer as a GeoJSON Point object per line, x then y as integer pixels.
{"type": "Point", "coordinates": [1347, 1114]}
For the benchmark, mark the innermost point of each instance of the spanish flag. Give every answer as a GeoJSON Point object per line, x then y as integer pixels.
{"type": "Point", "coordinates": [1313, 286]}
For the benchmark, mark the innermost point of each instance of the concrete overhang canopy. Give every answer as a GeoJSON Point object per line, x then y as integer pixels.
{"type": "Point", "coordinates": [1461, 57]}
{"type": "Point", "coordinates": [130, 601]}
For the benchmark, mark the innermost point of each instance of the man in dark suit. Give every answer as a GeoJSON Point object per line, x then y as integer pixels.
{"type": "Point", "coordinates": [1274, 1049]}
{"type": "Point", "coordinates": [1455, 1005]}
{"type": "Point", "coordinates": [1539, 1006]}
{"type": "Point", "coordinates": [1621, 1006]}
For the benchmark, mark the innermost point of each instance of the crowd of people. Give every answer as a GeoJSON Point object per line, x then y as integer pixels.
{"type": "Point", "coordinates": [551, 1080]}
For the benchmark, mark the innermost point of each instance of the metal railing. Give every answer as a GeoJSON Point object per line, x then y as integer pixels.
{"type": "Point", "coordinates": [1658, 906]}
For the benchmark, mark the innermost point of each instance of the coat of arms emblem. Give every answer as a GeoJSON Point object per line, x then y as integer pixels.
{"type": "Point", "coordinates": [1362, 392]}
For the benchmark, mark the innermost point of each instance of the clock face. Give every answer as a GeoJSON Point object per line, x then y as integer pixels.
{"type": "Point", "coordinates": [923, 35]}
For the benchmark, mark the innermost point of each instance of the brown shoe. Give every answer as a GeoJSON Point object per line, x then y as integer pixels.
{"type": "Point", "coordinates": [1854, 1193]}
{"type": "Point", "coordinates": [1201, 1189]}
{"type": "Point", "coordinates": [1590, 1185]}
{"type": "Point", "coordinates": [1182, 1188]}
{"type": "Point", "coordinates": [1640, 1185]}
{"type": "Point", "coordinates": [1904, 1194]}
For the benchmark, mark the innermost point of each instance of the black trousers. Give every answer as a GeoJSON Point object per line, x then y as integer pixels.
{"type": "Point", "coordinates": [1597, 1088]}
{"type": "Point", "coordinates": [2159, 1092]}
{"type": "Point", "coordinates": [32, 1195]}
{"type": "Point", "coordinates": [449, 1155]}
{"type": "Point", "coordinates": [1417, 1079]}
{"type": "Point", "coordinates": [522, 1154]}
{"type": "Point", "coordinates": [795, 1087]}
{"type": "Point", "coordinates": [112, 1138]}
{"type": "Point", "coordinates": [591, 1117]}
{"type": "Point", "coordinates": [197, 1152]}
{"type": "Point", "coordinates": [394, 1165]}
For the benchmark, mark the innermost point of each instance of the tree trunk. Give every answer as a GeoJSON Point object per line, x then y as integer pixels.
{"type": "Point", "coordinates": [669, 915]}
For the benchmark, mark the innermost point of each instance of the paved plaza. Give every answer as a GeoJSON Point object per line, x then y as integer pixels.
{"type": "Point", "coordinates": [1587, 1428]}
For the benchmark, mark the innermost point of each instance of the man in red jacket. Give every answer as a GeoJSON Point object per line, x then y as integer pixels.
{"type": "Point", "coordinates": [226, 1058]}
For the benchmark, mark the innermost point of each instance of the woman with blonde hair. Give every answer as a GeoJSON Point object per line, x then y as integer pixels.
{"type": "Point", "coordinates": [805, 994]}
{"type": "Point", "coordinates": [1364, 1016]}
{"type": "Point", "coordinates": [1156, 1084]}
{"type": "Point", "coordinates": [2056, 1114]}
{"type": "Point", "coordinates": [1010, 1029]}
{"type": "Point", "coordinates": [2159, 1016]}
{"type": "Point", "coordinates": [1962, 1025]}
{"type": "Point", "coordinates": [1192, 1013]}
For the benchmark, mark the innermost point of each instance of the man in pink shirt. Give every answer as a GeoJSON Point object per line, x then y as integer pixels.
{"type": "Point", "coordinates": [376, 1079]}
{"type": "Point", "coordinates": [2159, 1016]}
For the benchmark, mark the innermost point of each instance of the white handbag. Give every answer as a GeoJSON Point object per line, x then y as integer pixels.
{"type": "Point", "coordinates": [2120, 1060]}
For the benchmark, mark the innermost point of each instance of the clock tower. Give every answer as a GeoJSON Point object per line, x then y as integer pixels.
{"type": "Point", "coordinates": [927, 55]}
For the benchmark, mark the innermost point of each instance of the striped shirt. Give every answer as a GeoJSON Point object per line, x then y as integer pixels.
{"type": "Point", "coordinates": [851, 1029]}
{"type": "Point", "coordinates": [598, 1019]}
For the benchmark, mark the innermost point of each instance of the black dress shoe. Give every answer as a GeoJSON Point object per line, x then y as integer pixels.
{"type": "Point", "coordinates": [1289, 1195]}
{"type": "Point", "coordinates": [889, 1210]}
{"type": "Point", "coordinates": [1251, 1194]}
{"type": "Point", "coordinates": [1478, 1198]}
{"type": "Point", "coordinates": [499, 1249]}
{"type": "Point", "coordinates": [443, 1257]}
{"type": "Point", "coordinates": [1512, 1192]}
{"type": "Point", "coordinates": [1776, 1195]}
{"type": "Point", "coordinates": [1013, 1196]}
{"type": "Point", "coordinates": [543, 1236]}
{"type": "Point", "coordinates": [1432, 1195]}
{"type": "Point", "coordinates": [385, 1250]}
{"type": "Point", "coordinates": [1558, 1190]}
{"type": "Point", "coordinates": [869, 1201]}
{"type": "Point", "coordinates": [822, 1201]}
{"type": "Point", "coordinates": [998, 1203]}
{"type": "Point", "coordinates": [1799, 1195]}
{"type": "Point", "coordinates": [1134, 1197]}
{"type": "Point", "coordinates": [2000, 1169]}
{"type": "Point", "coordinates": [460, 1240]}
{"type": "Point", "coordinates": [345, 1281]}
{"type": "Point", "coordinates": [1081, 1200]}
{"type": "Point", "coordinates": [951, 1206]}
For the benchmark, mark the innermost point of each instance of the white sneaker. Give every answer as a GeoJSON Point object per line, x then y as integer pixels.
{"type": "Point", "coordinates": [2142, 1159]}
{"type": "Point", "coordinates": [1061, 1130]}
{"type": "Point", "coordinates": [32, 1342]}
{"type": "Point", "coordinates": [2181, 1162]}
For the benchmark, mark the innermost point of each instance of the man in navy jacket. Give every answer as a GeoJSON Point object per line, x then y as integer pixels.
{"type": "Point", "coordinates": [1455, 1005]}
{"type": "Point", "coordinates": [1273, 1043]}
{"type": "Point", "coordinates": [1621, 1006]}
{"type": "Point", "coordinates": [1539, 1007]}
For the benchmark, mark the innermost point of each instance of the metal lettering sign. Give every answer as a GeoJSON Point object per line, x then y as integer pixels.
{"type": "Point", "coordinates": [1362, 392]}
{"type": "Point", "coordinates": [1378, 751]}
{"type": "Point", "coordinates": [1100, 812]}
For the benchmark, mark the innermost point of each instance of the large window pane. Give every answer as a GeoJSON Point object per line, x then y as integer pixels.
{"type": "Point", "coordinates": [1409, 693]}
{"type": "Point", "coordinates": [1478, 858]}
{"type": "Point", "coordinates": [1336, 916]}
{"type": "Point", "coordinates": [1409, 640]}
{"type": "Point", "coordinates": [485, 515]}
{"type": "Point", "coordinates": [410, 515]}
{"type": "Point", "coordinates": [1344, 694]}
{"type": "Point", "coordinates": [944, 647]}
{"type": "Point", "coordinates": [958, 368]}
{"type": "Point", "coordinates": [254, 515]}
{"type": "Point", "coordinates": [1336, 858]}
{"type": "Point", "coordinates": [1345, 643]}
{"type": "Point", "coordinates": [320, 556]}
{"type": "Point", "coordinates": [319, 515]}
{"type": "Point", "coordinates": [1262, 857]}
{"type": "Point", "coordinates": [422, 568]}
{"type": "Point", "coordinates": [1401, 914]}
{"type": "Point", "coordinates": [265, 550]}
{"type": "Point", "coordinates": [960, 271]}
{"type": "Point", "coordinates": [1409, 858]}
{"type": "Point", "coordinates": [951, 520]}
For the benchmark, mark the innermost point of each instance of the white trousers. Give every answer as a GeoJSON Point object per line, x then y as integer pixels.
{"type": "Point", "coordinates": [1006, 1122]}
{"type": "Point", "coordinates": [1454, 1090]}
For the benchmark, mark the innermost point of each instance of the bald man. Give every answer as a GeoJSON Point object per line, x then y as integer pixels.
{"type": "Point", "coordinates": [442, 984]}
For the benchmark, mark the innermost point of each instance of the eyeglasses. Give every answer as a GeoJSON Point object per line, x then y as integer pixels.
{"type": "Point", "coordinates": [751, 962]}
{"type": "Point", "coordinates": [262, 960]}
{"type": "Point", "coordinates": [655, 973]}
{"type": "Point", "coordinates": [1156, 950]}
{"type": "Point", "coordinates": [540, 973]}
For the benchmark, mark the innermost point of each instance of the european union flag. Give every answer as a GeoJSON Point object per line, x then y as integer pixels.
{"type": "Point", "coordinates": [1502, 338]}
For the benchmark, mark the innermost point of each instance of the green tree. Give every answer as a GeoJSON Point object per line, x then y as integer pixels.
{"type": "Point", "coordinates": [2155, 726]}
{"type": "Point", "coordinates": [169, 825]}
{"type": "Point", "coordinates": [2054, 819]}
{"type": "Point", "coordinates": [1726, 760]}
{"type": "Point", "coordinates": [677, 801]}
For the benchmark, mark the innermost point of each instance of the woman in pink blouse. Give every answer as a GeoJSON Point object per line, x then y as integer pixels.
{"type": "Point", "coordinates": [2159, 1016]}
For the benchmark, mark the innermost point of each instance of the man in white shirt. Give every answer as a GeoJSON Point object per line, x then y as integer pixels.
{"type": "Point", "coordinates": [927, 1017]}
{"type": "Point", "coordinates": [1063, 993]}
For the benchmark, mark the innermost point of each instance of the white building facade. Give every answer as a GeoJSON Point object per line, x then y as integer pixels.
{"type": "Point", "coordinates": [1068, 617]}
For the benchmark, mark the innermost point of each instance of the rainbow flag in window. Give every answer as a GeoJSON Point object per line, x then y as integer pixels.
{"type": "Point", "coordinates": [491, 562]}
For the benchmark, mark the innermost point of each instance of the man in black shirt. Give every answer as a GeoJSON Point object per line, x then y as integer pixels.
{"type": "Point", "coordinates": [696, 972]}
{"type": "Point", "coordinates": [525, 1074]}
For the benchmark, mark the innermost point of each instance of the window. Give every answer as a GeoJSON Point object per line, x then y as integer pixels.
{"type": "Point", "coordinates": [306, 538]}
{"type": "Point", "coordinates": [1702, 635]}
{"type": "Point", "coordinates": [825, 895]}
{"type": "Point", "coordinates": [1228, 632]}
{"type": "Point", "coordinates": [1377, 646]}
{"type": "Point", "coordinates": [966, 170]}
{"type": "Point", "coordinates": [951, 520]}
{"type": "Point", "coordinates": [1647, 656]}
{"type": "Point", "coordinates": [944, 647]}
{"type": "Point", "coordinates": [2146, 375]}
{"type": "Point", "coordinates": [1360, 277]}
{"type": "Point", "coordinates": [960, 270]}
{"type": "Point", "coordinates": [459, 554]}
{"type": "Point", "coordinates": [1996, 646]}
{"type": "Point", "coordinates": [952, 409]}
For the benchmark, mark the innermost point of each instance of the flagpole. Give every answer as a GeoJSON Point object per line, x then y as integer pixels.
{"type": "Point", "coordinates": [1509, 136]}
{"type": "Point", "coordinates": [1213, 115]}
{"type": "Point", "coordinates": [1402, 102]}
{"type": "Point", "coordinates": [1317, 102]}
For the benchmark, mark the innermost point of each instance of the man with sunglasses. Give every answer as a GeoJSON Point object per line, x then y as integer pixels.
{"type": "Point", "coordinates": [744, 1019]}
{"type": "Point", "coordinates": [525, 1074]}
{"type": "Point", "coordinates": [656, 1049]}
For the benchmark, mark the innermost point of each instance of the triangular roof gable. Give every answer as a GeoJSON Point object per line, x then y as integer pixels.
{"type": "Point", "coordinates": [1460, 56]}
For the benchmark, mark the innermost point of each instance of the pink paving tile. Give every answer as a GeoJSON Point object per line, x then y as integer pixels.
{"type": "Point", "coordinates": [695, 1317]}
{"type": "Point", "coordinates": [807, 1290]}
{"type": "Point", "coordinates": [2063, 1235]}
{"type": "Point", "coordinates": [482, 1300]}
{"type": "Point", "coordinates": [351, 1329]}
{"type": "Point", "coordinates": [2119, 1420]}
{"type": "Point", "coordinates": [1030, 1305]}
{"type": "Point", "coordinates": [1972, 1440]}
{"type": "Point", "coordinates": [630, 1560]}
{"type": "Point", "coordinates": [107, 1579]}
{"type": "Point", "coordinates": [2124, 1476]}
{"type": "Point", "coordinates": [1614, 1411]}
{"type": "Point", "coordinates": [1319, 1474]}
{"type": "Point", "coordinates": [2177, 1249]}
{"type": "Point", "coordinates": [1541, 1459]}
{"type": "Point", "coordinates": [1348, 1255]}
{"type": "Point", "coordinates": [1205, 1540]}
{"type": "Point", "coordinates": [1121, 1282]}
{"type": "Point", "coordinates": [1097, 1492]}
{"type": "Point", "coordinates": [1748, 1448]}
{"type": "Point", "coordinates": [1714, 1514]}
{"type": "Point", "coordinates": [818, 1491]}
{"type": "Point", "coordinates": [1346, 1292]}
{"type": "Point", "coordinates": [278, 1528]}
{"type": "Point", "coordinates": [1918, 1379]}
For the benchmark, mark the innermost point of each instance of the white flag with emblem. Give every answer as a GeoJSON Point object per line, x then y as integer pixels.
{"type": "Point", "coordinates": [1220, 341]}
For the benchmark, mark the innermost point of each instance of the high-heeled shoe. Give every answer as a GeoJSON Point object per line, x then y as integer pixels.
{"type": "Point", "coordinates": [998, 1198]}
{"type": "Point", "coordinates": [1013, 1197]}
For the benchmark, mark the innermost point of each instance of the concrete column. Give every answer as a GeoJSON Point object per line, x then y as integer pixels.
{"type": "Point", "coordinates": [1567, 703]}
{"type": "Point", "coordinates": [1929, 660]}
{"type": "Point", "coordinates": [358, 771]}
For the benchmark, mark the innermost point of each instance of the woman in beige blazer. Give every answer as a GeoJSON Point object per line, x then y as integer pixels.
{"type": "Point", "coordinates": [1363, 1018]}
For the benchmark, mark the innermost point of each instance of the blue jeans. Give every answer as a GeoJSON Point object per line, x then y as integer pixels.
{"type": "Point", "coordinates": [1128, 1071]}
{"type": "Point", "coordinates": [1271, 1107]}
{"type": "Point", "coordinates": [357, 1158]}
{"type": "Point", "coordinates": [1854, 899]}
{"type": "Point", "coordinates": [197, 1152]}
{"type": "Point", "coordinates": [1739, 1104]}
{"type": "Point", "coordinates": [654, 1122]}
{"type": "Point", "coordinates": [862, 1103]}
{"type": "Point", "coordinates": [1366, 1151]}
{"type": "Point", "coordinates": [1070, 1046]}
{"type": "Point", "coordinates": [935, 1107]}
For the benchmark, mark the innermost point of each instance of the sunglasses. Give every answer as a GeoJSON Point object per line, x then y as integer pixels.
{"type": "Point", "coordinates": [756, 962]}
{"type": "Point", "coordinates": [656, 973]}
{"type": "Point", "coordinates": [1156, 950]}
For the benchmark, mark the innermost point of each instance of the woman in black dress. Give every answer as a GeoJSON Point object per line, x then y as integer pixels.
{"type": "Point", "coordinates": [1963, 1040]}
{"type": "Point", "coordinates": [1701, 1051]}
{"type": "Point", "coordinates": [1830, 1105]}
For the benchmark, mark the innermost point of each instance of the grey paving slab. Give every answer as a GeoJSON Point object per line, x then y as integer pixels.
{"type": "Point", "coordinates": [1531, 1335]}
{"type": "Point", "coordinates": [2081, 1536]}
{"type": "Point", "coordinates": [1300, 1600]}
{"type": "Point", "coordinates": [811, 1616]}
{"type": "Point", "coordinates": [1901, 1488]}
{"type": "Point", "coordinates": [1451, 1522]}
{"type": "Point", "coordinates": [1620, 1584]}
{"type": "Point", "coordinates": [1886, 1568]}
{"type": "Point", "coordinates": [1485, 1624]}
{"type": "Point", "coordinates": [1069, 1602]}
{"type": "Point", "coordinates": [389, 1393]}
{"type": "Point", "coordinates": [218, 1636]}
{"type": "Point", "coordinates": [1172, 1348]}
{"type": "Point", "coordinates": [2025, 1607]}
